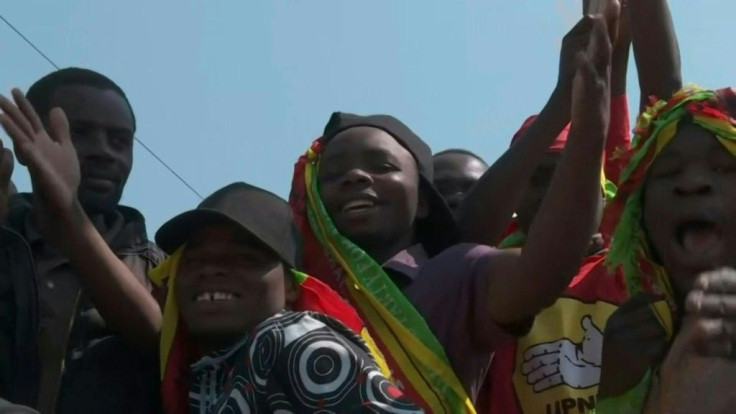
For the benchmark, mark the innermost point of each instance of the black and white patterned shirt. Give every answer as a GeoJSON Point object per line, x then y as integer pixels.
{"type": "Point", "coordinates": [294, 362]}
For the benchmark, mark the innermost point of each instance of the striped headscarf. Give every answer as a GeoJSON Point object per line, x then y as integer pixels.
{"type": "Point", "coordinates": [630, 250]}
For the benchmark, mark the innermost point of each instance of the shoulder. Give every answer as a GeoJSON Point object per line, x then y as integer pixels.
{"type": "Point", "coordinates": [304, 338]}
{"type": "Point", "coordinates": [466, 254]}
{"type": "Point", "coordinates": [19, 206]}
{"type": "Point", "coordinates": [134, 240]}
{"type": "Point", "coordinates": [463, 259]}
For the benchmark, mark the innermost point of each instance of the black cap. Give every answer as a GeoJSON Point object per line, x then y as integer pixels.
{"type": "Point", "coordinates": [261, 213]}
{"type": "Point", "coordinates": [437, 231]}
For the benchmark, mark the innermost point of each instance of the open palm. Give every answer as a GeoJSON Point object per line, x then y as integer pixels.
{"type": "Point", "coordinates": [50, 158]}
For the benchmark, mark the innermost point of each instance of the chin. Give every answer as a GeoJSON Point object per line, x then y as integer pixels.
{"type": "Point", "coordinates": [98, 204]}
{"type": "Point", "coordinates": [217, 333]}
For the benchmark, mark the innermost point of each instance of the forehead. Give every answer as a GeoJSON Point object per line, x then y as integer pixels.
{"type": "Point", "coordinates": [363, 139]}
{"type": "Point", "coordinates": [690, 140]}
{"type": "Point", "coordinates": [453, 162]}
{"type": "Point", "coordinates": [83, 103]}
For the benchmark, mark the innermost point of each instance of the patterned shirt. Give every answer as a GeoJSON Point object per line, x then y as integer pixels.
{"type": "Point", "coordinates": [294, 362]}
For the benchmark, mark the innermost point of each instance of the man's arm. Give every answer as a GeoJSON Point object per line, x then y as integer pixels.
{"type": "Point", "coordinates": [487, 209]}
{"type": "Point", "coordinates": [656, 50]}
{"type": "Point", "coordinates": [121, 299]}
{"type": "Point", "coordinates": [521, 284]}
{"type": "Point", "coordinates": [619, 131]}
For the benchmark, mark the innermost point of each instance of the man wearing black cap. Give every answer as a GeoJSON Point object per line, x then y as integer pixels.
{"type": "Point", "coordinates": [231, 271]}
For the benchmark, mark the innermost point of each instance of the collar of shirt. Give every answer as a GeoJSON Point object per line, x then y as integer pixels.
{"type": "Point", "coordinates": [124, 228]}
{"type": "Point", "coordinates": [407, 263]}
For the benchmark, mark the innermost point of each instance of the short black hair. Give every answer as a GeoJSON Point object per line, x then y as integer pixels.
{"type": "Point", "coordinates": [41, 93]}
{"type": "Point", "coordinates": [461, 151]}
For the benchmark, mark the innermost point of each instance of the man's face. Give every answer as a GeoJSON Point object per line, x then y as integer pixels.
{"type": "Point", "coordinates": [228, 283]}
{"type": "Point", "coordinates": [690, 205]}
{"type": "Point", "coordinates": [370, 187]}
{"type": "Point", "coordinates": [102, 129]}
{"type": "Point", "coordinates": [454, 174]}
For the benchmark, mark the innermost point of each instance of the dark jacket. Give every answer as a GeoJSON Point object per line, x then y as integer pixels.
{"type": "Point", "coordinates": [21, 363]}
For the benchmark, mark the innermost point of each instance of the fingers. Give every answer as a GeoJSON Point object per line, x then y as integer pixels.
{"type": "Point", "coordinates": [717, 281]}
{"type": "Point", "coordinates": [711, 305]}
{"type": "Point", "coordinates": [714, 338]}
{"type": "Point", "coordinates": [599, 49]}
{"type": "Point", "coordinates": [16, 116]}
{"type": "Point", "coordinates": [27, 110]}
{"type": "Point", "coordinates": [21, 142]}
{"type": "Point", "coordinates": [59, 126]}
{"type": "Point", "coordinates": [612, 15]}
{"type": "Point", "coordinates": [713, 294]}
{"type": "Point", "coordinates": [583, 26]}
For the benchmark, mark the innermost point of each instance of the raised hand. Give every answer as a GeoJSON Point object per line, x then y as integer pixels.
{"type": "Point", "coordinates": [6, 171]}
{"type": "Point", "coordinates": [634, 341]}
{"type": "Point", "coordinates": [574, 42]}
{"type": "Point", "coordinates": [51, 158]}
{"type": "Point", "coordinates": [591, 89]}
{"type": "Point", "coordinates": [713, 302]}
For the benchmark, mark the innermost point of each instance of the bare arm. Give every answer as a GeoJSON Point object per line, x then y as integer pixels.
{"type": "Point", "coordinates": [124, 303]}
{"type": "Point", "coordinates": [656, 50]}
{"type": "Point", "coordinates": [489, 205]}
{"type": "Point", "coordinates": [619, 131]}
{"type": "Point", "coordinates": [521, 284]}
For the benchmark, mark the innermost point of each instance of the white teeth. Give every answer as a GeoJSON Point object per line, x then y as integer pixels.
{"type": "Point", "coordinates": [206, 296]}
{"type": "Point", "coordinates": [358, 204]}
{"type": "Point", "coordinates": [214, 296]}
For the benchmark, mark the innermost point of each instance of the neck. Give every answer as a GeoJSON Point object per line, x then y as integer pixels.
{"type": "Point", "coordinates": [383, 252]}
{"type": "Point", "coordinates": [210, 345]}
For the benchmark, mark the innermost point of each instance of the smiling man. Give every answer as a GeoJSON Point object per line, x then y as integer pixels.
{"type": "Point", "coordinates": [53, 308]}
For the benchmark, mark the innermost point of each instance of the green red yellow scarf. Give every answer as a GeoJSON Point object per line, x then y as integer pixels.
{"type": "Point", "coordinates": [416, 358]}
{"type": "Point", "coordinates": [630, 249]}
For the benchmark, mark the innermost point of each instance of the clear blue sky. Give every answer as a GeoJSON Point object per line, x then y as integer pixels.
{"type": "Point", "coordinates": [235, 90]}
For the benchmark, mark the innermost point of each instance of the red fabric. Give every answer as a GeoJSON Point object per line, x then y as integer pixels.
{"type": "Point", "coordinates": [316, 296]}
{"type": "Point", "coordinates": [512, 228]}
{"type": "Point", "coordinates": [314, 258]}
{"type": "Point", "coordinates": [593, 285]}
{"type": "Point", "coordinates": [175, 385]}
{"type": "Point", "coordinates": [557, 146]}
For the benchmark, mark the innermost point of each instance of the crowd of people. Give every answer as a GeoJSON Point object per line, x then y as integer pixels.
{"type": "Point", "coordinates": [585, 271]}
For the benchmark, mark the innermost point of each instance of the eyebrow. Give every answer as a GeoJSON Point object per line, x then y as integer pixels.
{"type": "Point", "coordinates": [93, 124]}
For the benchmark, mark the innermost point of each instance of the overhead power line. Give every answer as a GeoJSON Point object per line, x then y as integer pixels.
{"type": "Point", "coordinates": [150, 151]}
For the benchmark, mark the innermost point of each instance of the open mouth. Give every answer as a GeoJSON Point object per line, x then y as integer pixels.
{"type": "Point", "coordinates": [214, 296]}
{"type": "Point", "coordinates": [699, 236]}
{"type": "Point", "coordinates": [358, 206]}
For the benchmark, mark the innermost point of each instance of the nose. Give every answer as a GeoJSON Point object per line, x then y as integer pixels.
{"type": "Point", "coordinates": [693, 183]}
{"type": "Point", "coordinates": [98, 147]}
{"type": "Point", "coordinates": [211, 269]}
{"type": "Point", "coordinates": [357, 176]}
{"type": "Point", "coordinates": [455, 200]}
